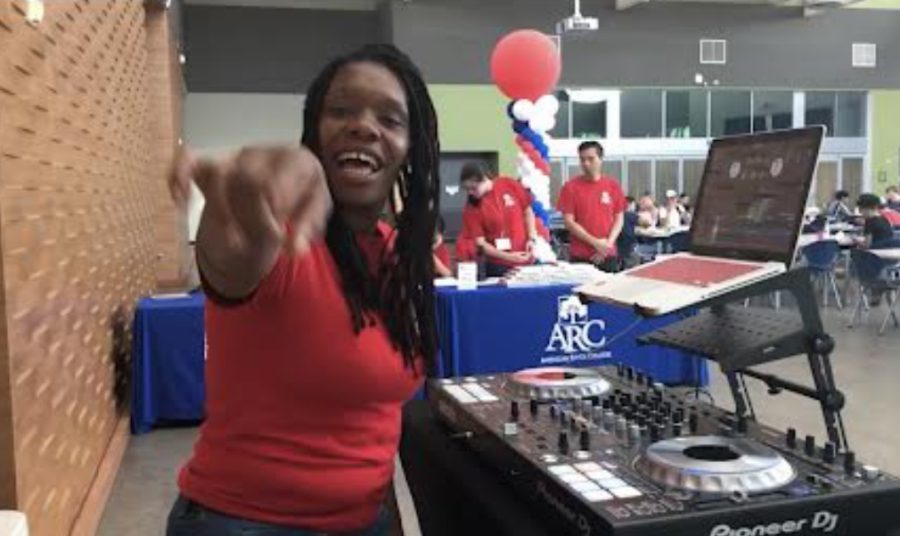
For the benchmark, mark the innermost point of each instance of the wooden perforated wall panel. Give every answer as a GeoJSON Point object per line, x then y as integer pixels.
{"type": "Point", "coordinates": [79, 212]}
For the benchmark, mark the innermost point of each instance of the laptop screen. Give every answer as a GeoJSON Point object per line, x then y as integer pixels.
{"type": "Point", "coordinates": [752, 195]}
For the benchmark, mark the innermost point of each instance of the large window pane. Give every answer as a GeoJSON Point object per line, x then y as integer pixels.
{"type": "Point", "coordinates": [686, 113]}
{"type": "Point", "coordinates": [613, 169]}
{"type": "Point", "coordinates": [730, 113]}
{"type": "Point", "coordinates": [772, 110]}
{"type": "Point", "coordinates": [852, 177]}
{"type": "Point", "coordinates": [825, 183]}
{"type": "Point", "coordinates": [666, 178]}
{"type": "Point", "coordinates": [639, 178]}
{"type": "Point", "coordinates": [851, 114]}
{"type": "Point", "coordinates": [693, 173]}
{"type": "Point", "coordinates": [556, 179]}
{"type": "Point", "coordinates": [820, 109]}
{"type": "Point", "coordinates": [561, 130]}
{"type": "Point", "coordinates": [641, 113]}
{"type": "Point", "coordinates": [589, 119]}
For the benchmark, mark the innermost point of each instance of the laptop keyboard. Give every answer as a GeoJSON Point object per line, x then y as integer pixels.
{"type": "Point", "coordinates": [694, 271]}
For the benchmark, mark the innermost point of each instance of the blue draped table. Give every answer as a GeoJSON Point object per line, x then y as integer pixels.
{"type": "Point", "coordinates": [167, 361]}
{"type": "Point", "coordinates": [500, 329]}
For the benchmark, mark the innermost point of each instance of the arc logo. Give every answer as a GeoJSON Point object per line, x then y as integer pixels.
{"type": "Point", "coordinates": [574, 331]}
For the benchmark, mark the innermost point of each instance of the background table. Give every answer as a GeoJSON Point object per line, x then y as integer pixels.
{"type": "Point", "coordinates": [499, 329]}
{"type": "Point", "coordinates": [167, 361]}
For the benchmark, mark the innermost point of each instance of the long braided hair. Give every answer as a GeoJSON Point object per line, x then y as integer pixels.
{"type": "Point", "coordinates": [403, 293]}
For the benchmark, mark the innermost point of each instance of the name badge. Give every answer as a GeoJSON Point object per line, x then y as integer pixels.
{"type": "Point", "coordinates": [503, 244]}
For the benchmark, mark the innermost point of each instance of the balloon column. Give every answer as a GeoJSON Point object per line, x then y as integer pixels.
{"type": "Point", "coordinates": [526, 66]}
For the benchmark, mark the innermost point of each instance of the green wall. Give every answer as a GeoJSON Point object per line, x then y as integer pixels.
{"type": "Point", "coordinates": [473, 118]}
{"type": "Point", "coordinates": [877, 4]}
{"type": "Point", "coordinates": [885, 138]}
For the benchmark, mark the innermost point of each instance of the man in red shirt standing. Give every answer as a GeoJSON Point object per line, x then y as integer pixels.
{"type": "Point", "coordinates": [593, 208]}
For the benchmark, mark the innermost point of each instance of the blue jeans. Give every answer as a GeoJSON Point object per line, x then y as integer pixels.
{"type": "Point", "coordinates": [188, 518]}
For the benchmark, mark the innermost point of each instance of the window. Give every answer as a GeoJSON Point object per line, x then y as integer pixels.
{"type": "Point", "coordinates": [686, 113]}
{"type": "Point", "coordinates": [820, 107]}
{"type": "Point", "coordinates": [826, 181]}
{"type": "Point", "coordinates": [851, 114]}
{"type": "Point", "coordinates": [693, 174]}
{"type": "Point", "coordinates": [666, 178]}
{"type": "Point", "coordinates": [641, 113]}
{"type": "Point", "coordinates": [613, 169]}
{"type": "Point", "coordinates": [561, 130]}
{"type": "Point", "coordinates": [639, 178]}
{"type": "Point", "coordinates": [852, 177]}
{"type": "Point", "coordinates": [589, 119]}
{"type": "Point", "coordinates": [556, 180]}
{"type": "Point", "coordinates": [730, 113]}
{"type": "Point", "coordinates": [772, 110]}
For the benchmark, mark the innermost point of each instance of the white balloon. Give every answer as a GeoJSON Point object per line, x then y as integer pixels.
{"type": "Point", "coordinates": [523, 109]}
{"type": "Point", "coordinates": [548, 104]}
{"type": "Point", "coordinates": [541, 122]}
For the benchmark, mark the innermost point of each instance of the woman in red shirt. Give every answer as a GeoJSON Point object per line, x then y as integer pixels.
{"type": "Point", "coordinates": [320, 320]}
{"type": "Point", "coordinates": [499, 218]}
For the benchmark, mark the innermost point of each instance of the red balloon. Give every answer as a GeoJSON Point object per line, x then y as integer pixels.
{"type": "Point", "coordinates": [525, 64]}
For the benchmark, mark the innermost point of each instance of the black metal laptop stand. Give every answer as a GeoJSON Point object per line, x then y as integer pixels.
{"type": "Point", "coordinates": [738, 337]}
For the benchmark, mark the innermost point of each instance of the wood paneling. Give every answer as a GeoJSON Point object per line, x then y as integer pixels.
{"type": "Point", "coordinates": [85, 128]}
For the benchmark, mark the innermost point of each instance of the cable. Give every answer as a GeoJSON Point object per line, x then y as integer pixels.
{"type": "Point", "coordinates": [624, 331]}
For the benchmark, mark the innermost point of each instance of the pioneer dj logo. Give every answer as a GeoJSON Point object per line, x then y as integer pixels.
{"type": "Point", "coordinates": [824, 522]}
{"type": "Point", "coordinates": [574, 331]}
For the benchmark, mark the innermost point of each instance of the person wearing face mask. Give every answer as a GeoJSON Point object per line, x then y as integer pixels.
{"type": "Point", "coordinates": [319, 318]}
{"type": "Point", "coordinates": [593, 207]}
{"type": "Point", "coordinates": [499, 218]}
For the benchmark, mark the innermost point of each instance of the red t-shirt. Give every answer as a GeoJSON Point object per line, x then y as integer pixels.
{"type": "Point", "coordinates": [500, 214]}
{"type": "Point", "coordinates": [892, 216]}
{"type": "Point", "coordinates": [302, 415]}
{"type": "Point", "coordinates": [595, 205]}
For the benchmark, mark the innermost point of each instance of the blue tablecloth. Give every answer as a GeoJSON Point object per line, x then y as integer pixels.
{"type": "Point", "coordinates": [167, 361]}
{"type": "Point", "coordinates": [499, 329]}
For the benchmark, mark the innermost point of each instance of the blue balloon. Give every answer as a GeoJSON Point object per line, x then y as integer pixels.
{"type": "Point", "coordinates": [519, 127]}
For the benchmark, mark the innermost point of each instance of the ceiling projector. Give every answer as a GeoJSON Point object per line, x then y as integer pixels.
{"type": "Point", "coordinates": [577, 22]}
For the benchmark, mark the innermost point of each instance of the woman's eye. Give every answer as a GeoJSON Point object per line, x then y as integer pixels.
{"type": "Point", "coordinates": [392, 121]}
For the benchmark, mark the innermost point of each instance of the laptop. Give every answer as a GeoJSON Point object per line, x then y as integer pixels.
{"type": "Point", "coordinates": [746, 224]}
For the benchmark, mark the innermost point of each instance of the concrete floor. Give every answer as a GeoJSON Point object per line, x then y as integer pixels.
{"type": "Point", "coordinates": [867, 368]}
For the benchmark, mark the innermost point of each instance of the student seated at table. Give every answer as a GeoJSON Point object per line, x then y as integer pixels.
{"type": "Point", "coordinates": [319, 319]}
{"type": "Point", "coordinates": [877, 231]}
{"type": "Point", "coordinates": [499, 218]}
{"type": "Point", "coordinates": [627, 241]}
{"type": "Point", "coordinates": [892, 198]}
{"type": "Point", "coordinates": [443, 266]}
{"type": "Point", "coordinates": [837, 209]}
{"type": "Point", "coordinates": [891, 215]}
{"type": "Point", "coordinates": [673, 215]}
{"type": "Point", "coordinates": [648, 214]}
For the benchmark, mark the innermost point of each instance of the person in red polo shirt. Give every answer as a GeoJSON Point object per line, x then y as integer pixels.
{"type": "Point", "coordinates": [593, 207]}
{"type": "Point", "coordinates": [498, 216]}
{"type": "Point", "coordinates": [319, 320]}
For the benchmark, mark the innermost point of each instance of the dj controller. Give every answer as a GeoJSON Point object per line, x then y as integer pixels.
{"type": "Point", "coordinates": [611, 452]}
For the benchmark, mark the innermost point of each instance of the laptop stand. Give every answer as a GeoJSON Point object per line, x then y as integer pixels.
{"type": "Point", "coordinates": [737, 338]}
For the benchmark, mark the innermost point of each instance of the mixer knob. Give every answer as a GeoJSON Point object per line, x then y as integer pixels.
{"type": "Point", "coordinates": [829, 453]}
{"type": "Point", "coordinates": [607, 403]}
{"type": "Point", "coordinates": [640, 378]}
{"type": "Point", "coordinates": [597, 416]}
{"type": "Point", "coordinates": [634, 434]}
{"type": "Point", "coordinates": [609, 420]}
{"type": "Point", "coordinates": [654, 433]}
{"type": "Point", "coordinates": [620, 370]}
{"type": "Point", "coordinates": [693, 422]}
{"type": "Point", "coordinates": [642, 420]}
{"type": "Point", "coordinates": [850, 463]}
{"type": "Point", "coordinates": [533, 407]}
{"type": "Point", "coordinates": [791, 438]}
{"type": "Point", "coordinates": [870, 472]}
{"type": "Point", "coordinates": [742, 425]}
{"type": "Point", "coordinates": [809, 445]}
{"type": "Point", "coordinates": [553, 411]}
{"type": "Point", "coordinates": [629, 374]}
{"type": "Point", "coordinates": [584, 439]}
{"type": "Point", "coordinates": [678, 416]}
{"type": "Point", "coordinates": [621, 427]}
{"type": "Point", "coordinates": [563, 442]}
{"type": "Point", "coordinates": [564, 417]}
{"type": "Point", "coordinates": [676, 430]}
{"type": "Point", "coordinates": [514, 411]}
